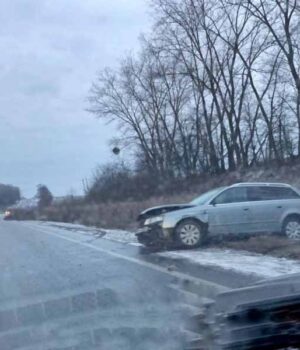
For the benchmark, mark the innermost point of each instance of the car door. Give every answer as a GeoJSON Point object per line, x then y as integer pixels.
{"type": "Point", "coordinates": [229, 212]}
{"type": "Point", "coordinates": [267, 205]}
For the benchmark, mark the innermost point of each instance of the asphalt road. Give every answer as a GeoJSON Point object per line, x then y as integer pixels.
{"type": "Point", "coordinates": [71, 293]}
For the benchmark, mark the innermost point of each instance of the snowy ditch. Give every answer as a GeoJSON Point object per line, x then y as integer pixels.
{"type": "Point", "coordinates": [228, 259]}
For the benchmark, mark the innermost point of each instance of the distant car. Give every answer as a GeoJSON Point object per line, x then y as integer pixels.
{"type": "Point", "coordinates": [8, 215]}
{"type": "Point", "coordinates": [244, 208]}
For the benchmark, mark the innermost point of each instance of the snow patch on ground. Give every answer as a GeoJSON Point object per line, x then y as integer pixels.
{"type": "Point", "coordinates": [238, 261]}
{"type": "Point", "coordinates": [121, 236]}
{"type": "Point", "coordinates": [113, 235]}
{"type": "Point", "coordinates": [26, 204]}
{"type": "Point", "coordinates": [67, 225]}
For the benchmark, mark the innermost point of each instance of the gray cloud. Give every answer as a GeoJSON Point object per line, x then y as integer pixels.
{"type": "Point", "coordinates": [50, 53]}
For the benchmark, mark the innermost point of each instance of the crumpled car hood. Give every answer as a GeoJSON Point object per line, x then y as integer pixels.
{"type": "Point", "coordinates": [155, 211]}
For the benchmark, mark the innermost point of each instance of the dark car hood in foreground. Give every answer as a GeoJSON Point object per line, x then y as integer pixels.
{"type": "Point", "coordinates": [155, 211]}
{"type": "Point", "coordinates": [263, 316]}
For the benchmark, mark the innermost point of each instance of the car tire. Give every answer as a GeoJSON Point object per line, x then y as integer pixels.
{"type": "Point", "coordinates": [291, 227]}
{"type": "Point", "coordinates": [189, 233]}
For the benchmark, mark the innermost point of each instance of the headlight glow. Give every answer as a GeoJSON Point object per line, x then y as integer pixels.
{"type": "Point", "coordinates": [154, 220]}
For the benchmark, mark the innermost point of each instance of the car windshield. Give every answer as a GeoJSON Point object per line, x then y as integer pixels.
{"type": "Point", "coordinates": [138, 139]}
{"type": "Point", "coordinates": [207, 196]}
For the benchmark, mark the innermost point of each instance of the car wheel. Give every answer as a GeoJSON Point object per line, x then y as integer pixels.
{"type": "Point", "coordinates": [189, 233]}
{"type": "Point", "coordinates": [291, 227]}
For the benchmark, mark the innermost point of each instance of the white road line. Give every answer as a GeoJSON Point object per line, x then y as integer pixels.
{"type": "Point", "coordinates": [176, 274]}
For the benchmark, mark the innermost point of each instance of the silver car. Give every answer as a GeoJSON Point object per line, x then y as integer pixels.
{"type": "Point", "coordinates": [244, 208]}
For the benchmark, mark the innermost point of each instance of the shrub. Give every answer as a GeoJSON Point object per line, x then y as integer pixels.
{"type": "Point", "coordinates": [117, 182]}
{"type": "Point", "coordinates": [9, 195]}
{"type": "Point", "coordinates": [45, 196]}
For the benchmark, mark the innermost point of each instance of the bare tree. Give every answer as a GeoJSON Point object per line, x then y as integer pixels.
{"type": "Point", "coordinates": [282, 19]}
{"type": "Point", "coordinates": [216, 86]}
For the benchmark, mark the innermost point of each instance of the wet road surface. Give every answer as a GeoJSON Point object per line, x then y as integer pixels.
{"type": "Point", "coordinates": [65, 291]}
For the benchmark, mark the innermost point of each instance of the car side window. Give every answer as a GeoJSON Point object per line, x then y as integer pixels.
{"type": "Point", "coordinates": [265, 193]}
{"type": "Point", "coordinates": [232, 195]}
{"type": "Point", "coordinates": [284, 193]}
{"type": "Point", "coordinates": [262, 193]}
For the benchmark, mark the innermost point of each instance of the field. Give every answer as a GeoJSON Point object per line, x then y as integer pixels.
{"type": "Point", "coordinates": [123, 214]}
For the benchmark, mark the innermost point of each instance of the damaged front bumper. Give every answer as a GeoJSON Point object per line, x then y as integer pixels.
{"type": "Point", "coordinates": [153, 235]}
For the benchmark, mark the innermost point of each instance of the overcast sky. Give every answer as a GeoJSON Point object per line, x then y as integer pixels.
{"type": "Point", "coordinates": [51, 51]}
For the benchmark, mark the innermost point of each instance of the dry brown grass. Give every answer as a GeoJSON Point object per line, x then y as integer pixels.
{"type": "Point", "coordinates": [123, 214]}
{"type": "Point", "coordinates": [118, 215]}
